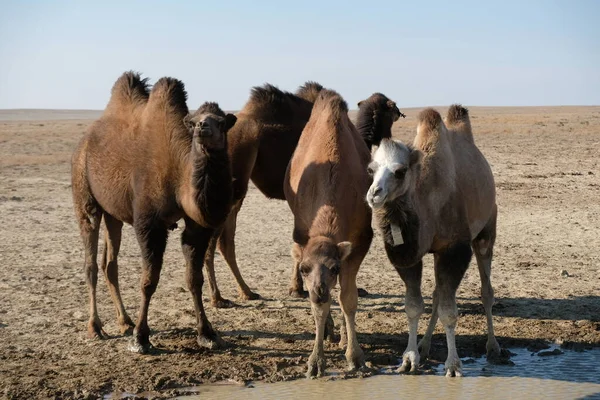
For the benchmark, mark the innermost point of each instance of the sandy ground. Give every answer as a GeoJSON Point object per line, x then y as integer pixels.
{"type": "Point", "coordinates": [546, 164]}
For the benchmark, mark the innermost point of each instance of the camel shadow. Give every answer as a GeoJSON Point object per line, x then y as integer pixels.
{"type": "Point", "coordinates": [571, 309]}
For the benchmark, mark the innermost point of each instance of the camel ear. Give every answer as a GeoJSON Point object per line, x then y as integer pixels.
{"type": "Point", "coordinates": [186, 120]}
{"type": "Point", "coordinates": [296, 252]}
{"type": "Point", "coordinates": [230, 120]}
{"type": "Point", "coordinates": [360, 103]}
{"type": "Point", "coordinates": [344, 248]}
{"type": "Point", "coordinates": [415, 157]}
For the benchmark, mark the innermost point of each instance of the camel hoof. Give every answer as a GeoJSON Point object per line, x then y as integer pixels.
{"type": "Point", "coordinates": [212, 341]}
{"type": "Point", "coordinates": [362, 292]}
{"type": "Point", "coordinates": [410, 362]}
{"type": "Point", "coordinates": [126, 326]}
{"type": "Point", "coordinates": [499, 357]}
{"type": "Point", "coordinates": [249, 296]}
{"type": "Point", "coordinates": [298, 294]}
{"type": "Point", "coordinates": [136, 346]}
{"type": "Point", "coordinates": [95, 331]}
{"type": "Point", "coordinates": [222, 303]}
{"type": "Point", "coordinates": [316, 367]}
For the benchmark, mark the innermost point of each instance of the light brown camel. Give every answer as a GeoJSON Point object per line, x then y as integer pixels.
{"type": "Point", "coordinates": [141, 164]}
{"type": "Point", "coordinates": [261, 144]}
{"type": "Point", "coordinates": [437, 196]}
{"type": "Point", "coordinates": [325, 185]}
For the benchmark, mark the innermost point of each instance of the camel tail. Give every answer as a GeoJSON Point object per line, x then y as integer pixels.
{"type": "Point", "coordinates": [458, 120]}
{"type": "Point", "coordinates": [168, 99]}
{"type": "Point", "coordinates": [129, 92]}
{"type": "Point", "coordinates": [309, 91]}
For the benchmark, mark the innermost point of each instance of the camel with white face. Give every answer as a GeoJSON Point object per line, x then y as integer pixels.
{"type": "Point", "coordinates": [437, 196]}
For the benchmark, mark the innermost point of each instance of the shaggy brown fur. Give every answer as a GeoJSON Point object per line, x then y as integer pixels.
{"type": "Point", "coordinates": [140, 164]}
{"type": "Point", "coordinates": [325, 185]}
{"type": "Point", "coordinates": [375, 118]}
{"type": "Point", "coordinates": [443, 204]}
{"type": "Point", "coordinates": [260, 147]}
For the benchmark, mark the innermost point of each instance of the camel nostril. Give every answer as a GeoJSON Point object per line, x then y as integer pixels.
{"type": "Point", "coordinates": [377, 190]}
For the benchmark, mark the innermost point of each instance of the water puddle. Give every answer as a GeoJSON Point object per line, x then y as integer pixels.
{"type": "Point", "coordinates": [553, 373]}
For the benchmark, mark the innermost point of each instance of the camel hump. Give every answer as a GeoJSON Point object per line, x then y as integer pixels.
{"type": "Point", "coordinates": [430, 119]}
{"type": "Point", "coordinates": [457, 113]}
{"type": "Point", "coordinates": [169, 93]}
{"type": "Point", "coordinates": [269, 103]}
{"type": "Point", "coordinates": [309, 91]}
{"type": "Point", "coordinates": [266, 94]}
{"type": "Point", "coordinates": [129, 90]}
{"type": "Point", "coordinates": [458, 120]}
{"type": "Point", "coordinates": [331, 99]}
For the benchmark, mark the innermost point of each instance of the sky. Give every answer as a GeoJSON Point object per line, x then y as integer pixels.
{"type": "Point", "coordinates": [67, 54]}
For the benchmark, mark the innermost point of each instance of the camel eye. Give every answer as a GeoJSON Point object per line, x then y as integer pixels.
{"type": "Point", "coordinates": [370, 171]}
{"type": "Point", "coordinates": [304, 269]}
{"type": "Point", "coordinates": [335, 269]}
{"type": "Point", "coordinates": [400, 173]}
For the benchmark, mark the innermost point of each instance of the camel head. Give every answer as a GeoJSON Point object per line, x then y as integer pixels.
{"type": "Point", "coordinates": [208, 126]}
{"type": "Point", "coordinates": [320, 262]}
{"type": "Point", "coordinates": [395, 169]}
{"type": "Point", "coordinates": [375, 118]}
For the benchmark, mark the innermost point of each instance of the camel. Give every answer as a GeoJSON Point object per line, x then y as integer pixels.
{"type": "Point", "coordinates": [325, 185]}
{"type": "Point", "coordinates": [146, 162]}
{"type": "Point", "coordinates": [375, 117]}
{"type": "Point", "coordinates": [436, 196]}
{"type": "Point", "coordinates": [260, 146]}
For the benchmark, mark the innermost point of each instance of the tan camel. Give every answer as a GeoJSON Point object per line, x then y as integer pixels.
{"type": "Point", "coordinates": [436, 197]}
{"type": "Point", "coordinates": [261, 144]}
{"type": "Point", "coordinates": [325, 185]}
{"type": "Point", "coordinates": [147, 163]}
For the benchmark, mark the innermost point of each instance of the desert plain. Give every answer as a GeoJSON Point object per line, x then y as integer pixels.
{"type": "Point", "coordinates": [546, 269]}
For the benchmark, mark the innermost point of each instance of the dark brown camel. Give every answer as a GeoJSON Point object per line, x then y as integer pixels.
{"type": "Point", "coordinates": [325, 185]}
{"type": "Point", "coordinates": [375, 118]}
{"type": "Point", "coordinates": [437, 196]}
{"type": "Point", "coordinates": [147, 163]}
{"type": "Point", "coordinates": [261, 144]}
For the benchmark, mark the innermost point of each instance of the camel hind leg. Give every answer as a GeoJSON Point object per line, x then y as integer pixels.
{"type": "Point", "coordinates": [227, 249]}
{"type": "Point", "coordinates": [483, 247]}
{"type": "Point", "coordinates": [89, 215]}
{"type": "Point", "coordinates": [112, 245]}
{"type": "Point", "coordinates": [216, 300]}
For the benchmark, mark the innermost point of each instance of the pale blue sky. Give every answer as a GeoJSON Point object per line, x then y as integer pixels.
{"type": "Point", "coordinates": [67, 54]}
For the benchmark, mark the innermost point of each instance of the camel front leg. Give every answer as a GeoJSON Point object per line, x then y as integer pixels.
{"type": "Point", "coordinates": [450, 267]}
{"type": "Point", "coordinates": [152, 238]}
{"type": "Point", "coordinates": [349, 303]}
{"type": "Point", "coordinates": [414, 307]}
{"type": "Point", "coordinates": [316, 361]}
{"type": "Point", "coordinates": [194, 242]}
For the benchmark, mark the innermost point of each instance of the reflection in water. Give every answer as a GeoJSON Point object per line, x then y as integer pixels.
{"type": "Point", "coordinates": [565, 376]}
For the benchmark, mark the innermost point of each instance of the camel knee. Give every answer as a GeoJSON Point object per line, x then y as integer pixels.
{"type": "Point", "coordinates": [487, 296]}
{"type": "Point", "coordinates": [448, 313]}
{"type": "Point", "coordinates": [414, 307]}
